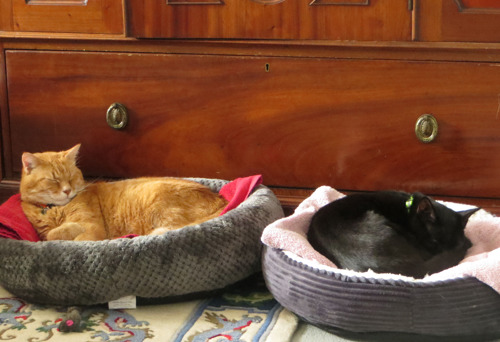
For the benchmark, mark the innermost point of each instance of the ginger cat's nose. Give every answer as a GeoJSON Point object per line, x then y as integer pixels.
{"type": "Point", "coordinates": [67, 191]}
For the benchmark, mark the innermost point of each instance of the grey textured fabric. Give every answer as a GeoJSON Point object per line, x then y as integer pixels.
{"type": "Point", "coordinates": [193, 259]}
{"type": "Point", "coordinates": [336, 302]}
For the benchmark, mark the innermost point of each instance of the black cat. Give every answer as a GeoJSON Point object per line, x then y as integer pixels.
{"type": "Point", "coordinates": [390, 232]}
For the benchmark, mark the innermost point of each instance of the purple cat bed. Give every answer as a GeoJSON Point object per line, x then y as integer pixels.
{"type": "Point", "coordinates": [460, 302]}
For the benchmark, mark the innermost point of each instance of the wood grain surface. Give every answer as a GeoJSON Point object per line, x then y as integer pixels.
{"type": "Point", "coordinates": [458, 20]}
{"type": "Point", "coordinates": [70, 16]}
{"type": "Point", "coordinates": [300, 122]}
{"type": "Point", "coordinates": [289, 19]}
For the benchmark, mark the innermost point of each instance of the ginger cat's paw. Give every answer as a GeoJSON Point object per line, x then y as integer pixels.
{"type": "Point", "coordinates": [159, 231]}
{"type": "Point", "coordinates": [66, 231]}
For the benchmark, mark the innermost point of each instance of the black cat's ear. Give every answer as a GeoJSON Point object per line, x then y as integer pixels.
{"type": "Point", "coordinates": [425, 210]}
{"type": "Point", "coordinates": [466, 214]}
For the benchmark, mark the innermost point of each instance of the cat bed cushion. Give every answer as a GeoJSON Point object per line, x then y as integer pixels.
{"type": "Point", "coordinates": [193, 259]}
{"type": "Point", "coordinates": [462, 301]}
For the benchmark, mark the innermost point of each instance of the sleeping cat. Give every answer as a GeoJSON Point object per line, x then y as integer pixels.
{"type": "Point", "coordinates": [62, 206]}
{"type": "Point", "coordinates": [390, 232]}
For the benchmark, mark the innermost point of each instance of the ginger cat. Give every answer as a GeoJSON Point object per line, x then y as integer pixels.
{"type": "Point", "coordinates": [62, 206]}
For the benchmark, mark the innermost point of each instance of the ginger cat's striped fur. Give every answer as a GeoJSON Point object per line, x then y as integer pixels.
{"type": "Point", "coordinates": [62, 206]}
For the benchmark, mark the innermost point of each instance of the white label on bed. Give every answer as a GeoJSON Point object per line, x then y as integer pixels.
{"type": "Point", "coordinates": [127, 302]}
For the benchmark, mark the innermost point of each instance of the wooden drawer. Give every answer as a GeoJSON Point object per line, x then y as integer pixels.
{"type": "Point", "coordinates": [68, 16]}
{"type": "Point", "coordinates": [271, 19]}
{"type": "Point", "coordinates": [300, 122]}
{"type": "Point", "coordinates": [458, 20]}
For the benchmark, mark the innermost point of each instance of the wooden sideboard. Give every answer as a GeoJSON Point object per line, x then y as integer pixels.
{"type": "Point", "coordinates": [306, 93]}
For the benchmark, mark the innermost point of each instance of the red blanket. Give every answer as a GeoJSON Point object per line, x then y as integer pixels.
{"type": "Point", "coordinates": [15, 225]}
{"type": "Point", "coordinates": [238, 190]}
{"type": "Point", "coordinates": [13, 222]}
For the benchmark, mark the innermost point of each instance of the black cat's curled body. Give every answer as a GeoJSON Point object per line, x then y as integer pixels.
{"type": "Point", "coordinates": [390, 232]}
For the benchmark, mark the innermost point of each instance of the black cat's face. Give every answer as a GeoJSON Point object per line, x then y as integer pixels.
{"type": "Point", "coordinates": [444, 227]}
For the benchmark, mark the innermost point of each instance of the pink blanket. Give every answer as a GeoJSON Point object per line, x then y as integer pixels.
{"type": "Point", "coordinates": [15, 225]}
{"type": "Point", "coordinates": [482, 260]}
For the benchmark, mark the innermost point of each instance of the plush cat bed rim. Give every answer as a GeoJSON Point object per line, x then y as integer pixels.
{"type": "Point", "coordinates": [335, 301]}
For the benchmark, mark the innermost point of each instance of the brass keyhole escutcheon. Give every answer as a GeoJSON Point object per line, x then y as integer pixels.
{"type": "Point", "coordinates": [426, 128]}
{"type": "Point", "coordinates": [117, 116]}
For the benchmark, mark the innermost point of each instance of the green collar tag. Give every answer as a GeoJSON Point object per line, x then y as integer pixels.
{"type": "Point", "coordinates": [409, 203]}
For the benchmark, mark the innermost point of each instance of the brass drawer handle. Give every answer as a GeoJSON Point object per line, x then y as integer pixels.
{"type": "Point", "coordinates": [426, 128]}
{"type": "Point", "coordinates": [117, 116]}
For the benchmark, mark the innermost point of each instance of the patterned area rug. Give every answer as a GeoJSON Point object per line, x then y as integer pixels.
{"type": "Point", "coordinates": [246, 314]}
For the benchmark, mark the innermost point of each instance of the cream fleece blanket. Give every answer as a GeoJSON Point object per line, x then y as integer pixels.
{"type": "Point", "coordinates": [483, 230]}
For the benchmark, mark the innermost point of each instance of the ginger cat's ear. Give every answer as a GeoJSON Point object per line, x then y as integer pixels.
{"type": "Point", "coordinates": [72, 153]}
{"type": "Point", "coordinates": [30, 161]}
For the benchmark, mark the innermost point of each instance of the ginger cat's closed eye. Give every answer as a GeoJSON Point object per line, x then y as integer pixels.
{"type": "Point", "coordinates": [62, 206]}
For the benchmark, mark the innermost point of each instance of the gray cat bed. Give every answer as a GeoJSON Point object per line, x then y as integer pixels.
{"type": "Point", "coordinates": [199, 258]}
{"type": "Point", "coordinates": [461, 303]}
